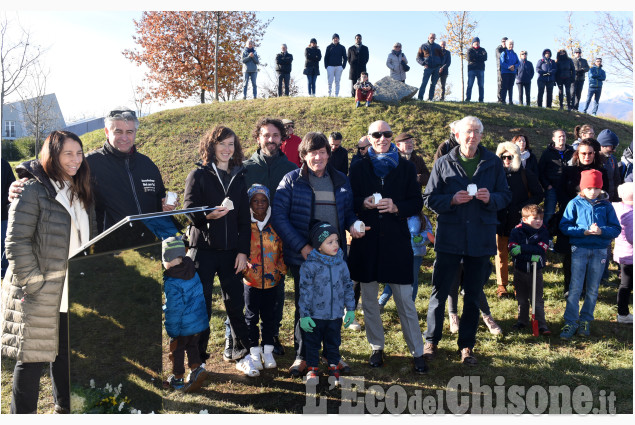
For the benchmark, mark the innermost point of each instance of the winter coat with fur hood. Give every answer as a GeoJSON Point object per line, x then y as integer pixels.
{"type": "Point", "coordinates": [37, 247]}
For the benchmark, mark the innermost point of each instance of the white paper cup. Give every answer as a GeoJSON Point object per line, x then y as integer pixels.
{"type": "Point", "coordinates": [359, 226]}
{"type": "Point", "coordinates": [376, 197]}
{"type": "Point", "coordinates": [472, 189]}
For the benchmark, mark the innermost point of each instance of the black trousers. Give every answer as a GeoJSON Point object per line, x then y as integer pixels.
{"type": "Point", "coordinates": [526, 87]}
{"type": "Point", "coordinates": [625, 289]}
{"type": "Point", "coordinates": [578, 85]}
{"type": "Point", "coordinates": [222, 262]}
{"type": "Point", "coordinates": [283, 78]}
{"type": "Point", "coordinates": [541, 90]}
{"type": "Point", "coordinates": [178, 347]}
{"type": "Point", "coordinates": [261, 304]}
{"type": "Point", "coordinates": [26, 378]}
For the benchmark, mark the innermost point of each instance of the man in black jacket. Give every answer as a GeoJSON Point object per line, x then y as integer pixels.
{"type": "Point", "coordinates": [581, 68]}
{"type": "Point", "coordinates": [552, 162]}
{"type": "Point", "coordinates": [443, 71]}
{"type": "Point", "coordinates": [335, 62]}
{"type": "Point", "coordinates": [357, 59]}
{"type": "Point", "coordinates": [124, 181]}
{"type": "Point", "coordinates": [339, 155]}
{"type": "Point", "coordinates": [283, 68]}
{"type": "Point", "coordinates": [476, 57]}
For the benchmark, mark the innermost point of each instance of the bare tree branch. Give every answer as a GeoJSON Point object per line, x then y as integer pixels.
{"type": "Point", "coordinates": [615, 37]}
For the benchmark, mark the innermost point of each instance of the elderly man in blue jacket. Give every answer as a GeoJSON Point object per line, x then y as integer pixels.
{"type": "Point", "coordinates": [466, 189]}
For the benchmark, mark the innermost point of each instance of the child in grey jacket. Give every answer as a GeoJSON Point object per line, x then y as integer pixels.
{"type": "Point", "coordinates": [325, 289]}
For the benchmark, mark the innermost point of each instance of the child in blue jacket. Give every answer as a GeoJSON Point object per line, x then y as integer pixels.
{"type": "Point", "coordinates": [185, 315]}
{"type": "Point", "coordinates": [528, 243]}
{"type": "Point", "coordinates": [325, 289]}
{"type": "Point", "coordinates": [591, 224]}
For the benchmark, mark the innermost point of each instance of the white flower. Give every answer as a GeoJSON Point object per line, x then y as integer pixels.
{"type": "Point", "coordinates": [77, 403]}
{"type": "Point", "coordinates": [92, 383]}
{"type": "Point", "coordinates": [121, 405]}
{"type": "Point", "coordinates": [134, 411]}
{"type": "Point", "coordinates": [203, 412]}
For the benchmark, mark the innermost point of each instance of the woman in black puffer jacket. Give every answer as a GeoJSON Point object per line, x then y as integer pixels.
{"type": "Point", "coordinates": [313, 56]}
{"type": "Point", "coordinates": [526, 189]}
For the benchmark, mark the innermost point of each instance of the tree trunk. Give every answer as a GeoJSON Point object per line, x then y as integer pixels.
{"type": "Point", "coordinates": [462, 81]}
{"type": "Point", "coordinates": [202, 95]}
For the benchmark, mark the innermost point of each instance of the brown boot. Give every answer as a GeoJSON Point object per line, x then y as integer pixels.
{"type": "Point", "coordinates": [502, 291]}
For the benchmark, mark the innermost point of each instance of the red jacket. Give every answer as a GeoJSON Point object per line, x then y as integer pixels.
{"type": "Point", "coordinates": [290, 149]}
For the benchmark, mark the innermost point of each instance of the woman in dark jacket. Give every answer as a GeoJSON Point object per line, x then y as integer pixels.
{"type": "Point", "coordinates": [587, 157]}
{"type": "Point", "coordinates": [313, 56]}
{"type": "Point", "coordinates": [219, 240]}
{"type": "Point", "coordinates": [52, 218]}
{"type": "Point", "coordinates": [526, 189]}
{"type": "Point", "coordinates": [546, 69]}
{"type": "Point", "coordinates": [565, 77]}
{"type": "Point", "coordinates": [527, 159]}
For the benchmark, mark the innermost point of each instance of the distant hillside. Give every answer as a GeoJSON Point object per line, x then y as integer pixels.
{"type": "Point", "coordinates": [171, 137]}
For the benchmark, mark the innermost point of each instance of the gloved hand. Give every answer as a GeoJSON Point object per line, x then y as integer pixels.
{"type": "Point", "coordinates": [515, 250]}
{"type": "Point", "coordinates": [307, 324]}
{"type": "Point", "coordinates": [535, 258]}
{"type": "Point", "coordinates": [348, 318]}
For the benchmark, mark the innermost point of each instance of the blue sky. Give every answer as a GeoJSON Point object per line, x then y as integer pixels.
{"type": "Point", "coordinates": [90, 75]}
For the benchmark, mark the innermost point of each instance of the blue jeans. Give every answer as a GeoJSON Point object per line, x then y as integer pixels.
{"type": "Point", "coordinates": [252, 76]}
{"type": "Point", "coordinates": [589, 262]}
{"type": "Point", "coordinates": [551, 199]}
{"type": "Point", "coordinates": [427, 73]}
{"type": "Point", "coordinates": [594, 92]}
{"type": "Point", "coordinates": [480, 77]}
{"type": "Point", "coordinates": [476, 272]}
{"type": "Point", "coordinates": [311, 79]}
{"type": "Point", "coordinates": [283, 78]}
{"type": "Point", "coordinates": [416, 265]}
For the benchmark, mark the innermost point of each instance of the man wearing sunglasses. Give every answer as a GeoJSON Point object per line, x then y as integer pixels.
{"type": "Point", "coordinates": [384, 254]}
{"type": "Point", "coordinates": [362, 149]}
{"type": "Point", "coordinates": [466, 230]}
{"type": "Point", "coordinates": [124, 181]}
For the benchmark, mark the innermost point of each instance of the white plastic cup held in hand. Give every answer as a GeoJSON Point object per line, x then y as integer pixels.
{"type": "Point", "coordinates": [376, 197]}
{"type": "Point", "coordinates": [359, 226]}
{"type": "Point", "coordinates": [170, 198]}
{"type": "Point", "coordinates": [472, 189]}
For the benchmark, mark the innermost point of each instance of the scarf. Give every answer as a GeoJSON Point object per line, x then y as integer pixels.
{"type": "Point", "coordinates": [384, 162]}
{"type": "Point", "coordinates": [524, 156]}
{"type": "Point", "coordinates": [261, 224]}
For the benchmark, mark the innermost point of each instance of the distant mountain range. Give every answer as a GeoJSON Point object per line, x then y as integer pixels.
{"type": "Point", "coordinates": [619, 107]}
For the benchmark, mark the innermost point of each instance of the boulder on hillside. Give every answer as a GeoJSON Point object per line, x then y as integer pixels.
{"type": "Point", "coordinates": [393, 91]}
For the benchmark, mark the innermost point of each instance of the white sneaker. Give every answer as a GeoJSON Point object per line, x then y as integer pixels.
{"type": "Point", "coordinates": [255, 353]}
{"type": "Point", "coordinates": [493, 327]}
{"type": "Point", "coordinates": [267, 357]}
{"type": "Point", "coordinates": [627, 318]}
{"type": "Point", "coordinates": [247, 367]}
{"type": "Point", "coordinates": [454, 323]}
{"type": "Point", "coordinates": [355, 326]}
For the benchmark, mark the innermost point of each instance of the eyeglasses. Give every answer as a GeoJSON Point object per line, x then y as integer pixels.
{"type": "Point", "coordinates": [586, 153]}
{"type": "Point", "coordinates": [510, 157]}
{"type": "Point", "coordinates": [378, 134]}
{"type": "Point", "coordinates": [361, 148]}
{"type": "Point", "coordinates": [114, 113]}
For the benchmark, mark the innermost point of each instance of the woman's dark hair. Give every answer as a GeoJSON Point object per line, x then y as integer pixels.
{"type": "Point", "coordinates": [518, 136]}
{"type": "Point", "coordinates": [265, 121]}
{"type": "Point", "coordinates": [206, 147]}
{"type": "Point", "coordinates": [50, 160]}
{"type": "Point", "coordinates": [561, 55]}
{"type": "Point", "coordinates": [598, 159]}
{"type": "Point", "coordinates": [313, 141]}
{"type": "Point", "coordinates": [579, 129]}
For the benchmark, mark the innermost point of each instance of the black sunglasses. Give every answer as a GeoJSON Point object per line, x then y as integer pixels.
{"type": "Point", "coordinates": [361, 148]}
{"type": "Point", "coordinates": [510, 157]}
{"type": "Point", "coordinates": [378, 134]}
{"type": "Point", "coordinates": [114, 113]}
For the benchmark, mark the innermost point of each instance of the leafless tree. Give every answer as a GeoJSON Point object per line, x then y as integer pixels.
{"type": "Point", "coordinates": [17, 55]}
{"type": "Point", "coordinates": [39, 109]}
{"type": "Point", "coordinates": [270, 86]}
{"type": "Point", "coordinates": [459, 30]}
{"type": "Point", "coordinates": [615, 37]}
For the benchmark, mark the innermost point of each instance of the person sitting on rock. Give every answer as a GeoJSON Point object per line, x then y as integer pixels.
{"type": "Point", "coordinates": [364, 90]}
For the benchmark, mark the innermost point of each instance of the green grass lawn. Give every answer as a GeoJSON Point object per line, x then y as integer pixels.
{"type": "Point", "coordinates": [603, 362]}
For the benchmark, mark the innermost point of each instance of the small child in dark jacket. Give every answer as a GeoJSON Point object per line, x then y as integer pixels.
{"type": "Point", "coordinates": [185, 315]}
{"type": "Point", "coordinates": [528, 243]}
{"type": "Point", "coordinates": [364, 90]}
{"type": "Point", "coordinates": [325, 289]}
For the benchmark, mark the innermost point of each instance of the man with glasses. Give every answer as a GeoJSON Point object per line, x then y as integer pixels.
{"type": "Point", "coordinates": [581, 68]}
{"type": "Point", "coordinates": [596, 78]}
{"type": "Point", "coordinates": [431, 57]}
{"type": "Point", "coordinates": [466, 189]}
{"type": "Point", "coordinates": [385, 194]}
{"type": "Point", "coordinates": [362, 149]}
{"type": "Point", "coordinates": [406, 145]}
{"type": "Point", "coordinates": [550, 167]}
{"type": "Point", "coordinates": [291, 143]}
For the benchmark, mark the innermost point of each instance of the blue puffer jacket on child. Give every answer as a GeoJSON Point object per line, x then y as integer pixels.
{"type": "Point", "coordinates": [185, 311]}
{"type": "Point", "coordinates": [325, 286]}
{"type": "Point", "coordinates": [581, 213]}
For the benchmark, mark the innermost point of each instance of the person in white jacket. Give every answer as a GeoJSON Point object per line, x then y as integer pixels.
{"type": "Point", "coordinates": [395, 57]}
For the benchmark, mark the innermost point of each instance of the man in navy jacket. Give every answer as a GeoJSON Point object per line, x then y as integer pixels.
{"type": "Point", "coordinates": [466, 189]}
{"type": "Point", "coordinates": [431, 57]}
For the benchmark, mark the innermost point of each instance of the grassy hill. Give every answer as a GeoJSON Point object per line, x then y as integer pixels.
{"type": "Point", "coordinates": [171, 137]}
